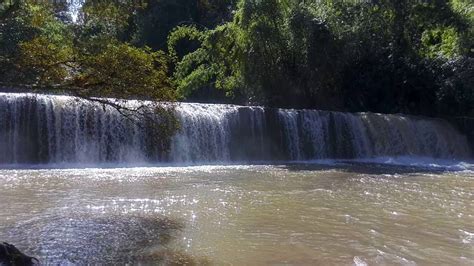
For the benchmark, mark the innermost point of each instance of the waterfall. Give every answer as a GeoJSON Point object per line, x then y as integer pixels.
{"type": "Point", "coordinates": [204, 134]}
{"type": "Point", "coordinates": [63, 129]}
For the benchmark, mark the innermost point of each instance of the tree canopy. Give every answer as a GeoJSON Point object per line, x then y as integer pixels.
{"type": "Point", "coordinates": [384, 56]}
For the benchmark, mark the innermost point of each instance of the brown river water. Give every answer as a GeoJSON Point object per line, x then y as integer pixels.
{"type": "Point", "coordinates": [293, 214]}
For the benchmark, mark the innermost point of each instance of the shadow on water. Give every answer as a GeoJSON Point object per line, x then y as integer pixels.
{"type": "Point", "coordinates": [102, 239]}
{"type": "Point", "coordinates": [370, 168]}
{"type": "Point", "coordinates": [383, 165]}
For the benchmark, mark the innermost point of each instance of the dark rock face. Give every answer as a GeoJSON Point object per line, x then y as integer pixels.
{"type": "Point", "coordinates": [10, 255]}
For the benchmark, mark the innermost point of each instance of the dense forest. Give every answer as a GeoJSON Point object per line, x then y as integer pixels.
{"type": "Point", "coordinates": [387, 56]}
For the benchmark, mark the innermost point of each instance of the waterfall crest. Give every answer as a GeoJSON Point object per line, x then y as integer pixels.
{"type": "Point", "coordinates": [63, 129]}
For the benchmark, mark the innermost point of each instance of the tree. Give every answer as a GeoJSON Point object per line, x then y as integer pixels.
{"type": "Point", "coordinates": [53, 55]}
{"type": "Point", "coordinates": [273, 52]}
{"type": "Point", "coordinates": [392, 49]}
{"type": "Point", "coordinates": [382, 56]}
{"type": "Point", "coordinates": [19, 22]}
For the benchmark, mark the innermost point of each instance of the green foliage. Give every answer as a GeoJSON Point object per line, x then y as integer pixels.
{"type": "Point", "coordinates": [157, 20]}
{"type": "Point", "coordinates": [114, 19]}
{"type": "Point", "coordinates": [20, 22]}
{"type": "Point", "coordinates": [123, 71]}
{"type": "Point", "coordinates": [440, 42]}
{"type": "Point", "coordinates": [87, 59]}
{"type": "Point", "coordinates": [213, 62]}
{"type": "Point", "coordinates": [386, 56]}
{"type": "Point", "coordinates": [273, 52]}
{"type": "Point", "coordinates": [45, 60]}
{"type": "Point", "coordinates": [188, 33]}
{"type": "Point", "coordinates": [353, 55]}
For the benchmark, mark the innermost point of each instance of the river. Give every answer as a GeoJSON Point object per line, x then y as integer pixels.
{"type": "Point", "coordinates": [344, 213]}
{"type": "Point", "coordinates": [239, 185]}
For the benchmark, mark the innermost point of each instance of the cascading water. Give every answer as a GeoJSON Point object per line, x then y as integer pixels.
{"type": "Point", "coordinates": [63, 129]}
{"type": "Point", "coordinates": [204, 134]}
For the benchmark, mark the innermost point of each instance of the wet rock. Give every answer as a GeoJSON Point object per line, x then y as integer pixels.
{"type": "Point", "coordinates": [10, 255]}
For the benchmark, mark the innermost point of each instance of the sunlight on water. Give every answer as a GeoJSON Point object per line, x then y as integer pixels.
{"type": "Point", "coordinates": [340, 213]}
